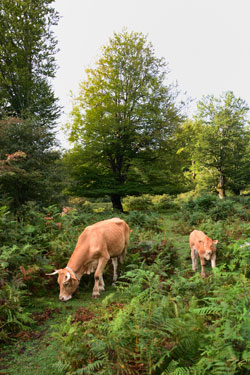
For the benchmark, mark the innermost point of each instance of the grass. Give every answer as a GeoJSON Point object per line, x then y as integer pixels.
{"type": "Point", "coordinates": [36, 356]}
{"type": "Point", "coordinates": [36, 351]}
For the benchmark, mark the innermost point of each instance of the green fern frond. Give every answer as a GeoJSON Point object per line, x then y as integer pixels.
{"type": "Point", "coordinates": [173, 369]}
{"type": "Point", "coordinates": [208, 310]}
{"type": "Point", "coordinates": [91, 368]}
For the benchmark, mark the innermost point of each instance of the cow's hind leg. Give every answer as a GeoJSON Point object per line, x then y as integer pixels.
{"type": "Point", "coordinates": [98, 275]}
{"type": "Point", "coordinates": [115, 264]}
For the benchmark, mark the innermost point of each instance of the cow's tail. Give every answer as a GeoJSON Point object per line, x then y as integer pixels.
{"type": "Point", "coordinates": [123, 254]}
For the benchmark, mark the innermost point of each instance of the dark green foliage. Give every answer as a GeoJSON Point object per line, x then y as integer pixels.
{"type": "Point", "coordinates": [163, 202]}
{"type": "Point", "coordinates": [148, 202]}
{"type": "Point", "coordinates": [33, 174]}
{"type": "Point", "coordinates": [147, 221]}
{"type": "Point", "coordinates": [140, 203]}
{"type": "Point", "coordinates": [220, 155]}
{"type": "Point", "coordinates": [159, 255]}
{"type": "Point", "coordinates": [203, 202]}
{"type": "Point", "coordinates": [204, 207]}
{"type": "Point", "coordinates": [27, 59]}
{"type": "Point", "coordinates": [13, 316]}
{"type": "Point", "coordinates": [28, 107]}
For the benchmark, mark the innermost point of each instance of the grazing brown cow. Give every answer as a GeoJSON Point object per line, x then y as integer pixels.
{"type": "Point", "coordinates": [95, 246]}
{"type": "Point", "coordinates": [203, 246]}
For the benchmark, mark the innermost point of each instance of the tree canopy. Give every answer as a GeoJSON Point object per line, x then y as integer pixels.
{"type": "Point", "coordinates": [123, 121]}
{"type": "Point", "coordinates": [28, 107]}
{"type": "Point", "coordinates": [221, 153]}
{"type": "Point", "coordinates": [27, 59]}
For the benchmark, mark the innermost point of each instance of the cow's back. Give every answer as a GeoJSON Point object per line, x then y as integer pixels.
{"type": "Point", "coordinates": [198, 239]}
{"type": "Point", "coordinates": [111, 235]}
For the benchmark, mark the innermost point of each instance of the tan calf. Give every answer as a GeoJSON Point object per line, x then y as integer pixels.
{"type": "Point", "coordinates": [203, 246]}
{"type": "Point", "coordinates": [95, 246]}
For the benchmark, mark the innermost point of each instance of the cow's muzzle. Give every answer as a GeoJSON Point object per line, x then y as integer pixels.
{"type": "Point", "coordinates": [64, 298]}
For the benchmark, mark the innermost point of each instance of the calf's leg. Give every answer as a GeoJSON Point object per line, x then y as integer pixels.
{"type": "Point", "coordinates": [213, 261]}
{"type": "Point", "coordinates": [203, 273]}
{"type": "Point", "coordinates": [194, 256]}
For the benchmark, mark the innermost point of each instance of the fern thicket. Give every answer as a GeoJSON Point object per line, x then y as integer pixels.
{"type": "Point", "coordinates": [162, 320]}
{"type": "Point", "coordinates": [172, 326]}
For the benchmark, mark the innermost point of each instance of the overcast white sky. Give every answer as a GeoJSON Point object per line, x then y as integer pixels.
{"type": "Point", "coordinates": [205, 42]}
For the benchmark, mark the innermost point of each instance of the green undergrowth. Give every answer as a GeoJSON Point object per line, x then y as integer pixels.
{"type": "Point", "coordinates": [160, 319]}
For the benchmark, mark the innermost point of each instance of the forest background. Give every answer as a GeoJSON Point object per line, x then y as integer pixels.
{"type": "Point", "coordinates": [133, 151]}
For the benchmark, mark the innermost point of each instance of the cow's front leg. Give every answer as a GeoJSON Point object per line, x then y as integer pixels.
{"type": "Point", "coordinates": [213, 261]}
{"type": "Point", "coordinates": [98, 274]}
{"type": "Point", "coordinates": [101, 284]}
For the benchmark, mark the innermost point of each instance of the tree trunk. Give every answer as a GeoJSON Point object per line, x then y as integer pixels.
{"type": "Point", "coordinates": [221, 186]}
{"type": "Point", "coordinates": [116, 202]}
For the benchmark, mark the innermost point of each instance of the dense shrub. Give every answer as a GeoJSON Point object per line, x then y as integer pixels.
{"type": "Point", "coordinates": [163, 202]}
{"type": "Point", "coordinates": [197, 210]}
{"type": "Point", "coordinates": [139, 203]}
{"type": "Point", "coordinates": [144, 221]}
{"type": "Point", "coordinates": [148, 202]}
{"type": "Point", "coordinates": [203, 202]}
{"type": "Point", "coordinates": [159, 255]}
{"type": "Point", "coordinates": [237, 255]}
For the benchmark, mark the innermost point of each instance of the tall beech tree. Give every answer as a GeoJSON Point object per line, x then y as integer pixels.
{"type": "Point", "coordinates": [222, 142]}
{"type": "Point", "coordinates": [122, 122]}
{"type": "Point", "coordinates": [27, 60]}
{"type": "Point", "coordinates": [28, 107]}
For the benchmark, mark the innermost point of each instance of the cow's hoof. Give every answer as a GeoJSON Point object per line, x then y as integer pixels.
{"type": "Point", "coordinates": [95, 295]}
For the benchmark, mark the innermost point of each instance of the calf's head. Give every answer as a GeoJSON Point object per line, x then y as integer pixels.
{"type": "Point", "coordinates": [210, 248]}
{"type": "Point", "coordinates": [67, 282]}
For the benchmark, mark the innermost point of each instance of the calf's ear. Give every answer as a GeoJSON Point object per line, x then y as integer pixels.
{"type": "Point", "coordinates": [215, 242]}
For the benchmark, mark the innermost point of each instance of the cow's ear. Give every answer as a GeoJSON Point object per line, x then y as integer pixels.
{"type": "Point", "coordinates": [215, 242]}
{"type": "Point", "coordinates": [67, 278]}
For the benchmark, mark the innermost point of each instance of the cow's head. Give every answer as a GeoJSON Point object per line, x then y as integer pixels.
{"type": "Point", "coordinates": [210, 248]}
{"type": "Point", "coordinates": [67, 282]}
